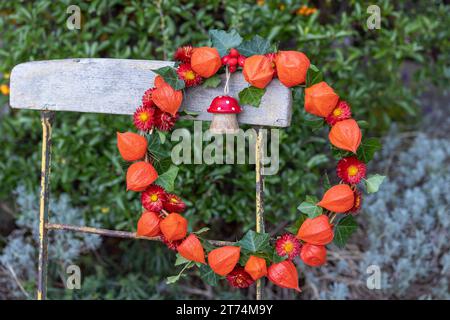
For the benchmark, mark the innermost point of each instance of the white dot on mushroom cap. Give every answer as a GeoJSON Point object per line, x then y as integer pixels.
{"type": "Point", "coordinates": [232, 108]}
{"type": "Point", "coordinates": [227, 102]}
{"type": "Point", "coordinates": [219, 108]}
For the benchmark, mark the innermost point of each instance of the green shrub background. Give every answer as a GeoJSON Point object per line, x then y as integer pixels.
{"type": "Point", "coordinates": [366, 67]}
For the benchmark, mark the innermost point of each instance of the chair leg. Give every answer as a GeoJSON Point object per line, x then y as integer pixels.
{"type": "Point", "coordinates": [46, 120]}
{"type": "Point", "coordinates": [259, 198]}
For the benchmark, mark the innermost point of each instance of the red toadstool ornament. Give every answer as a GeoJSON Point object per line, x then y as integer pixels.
{"type": "Point", "coordinates": [224, 109]}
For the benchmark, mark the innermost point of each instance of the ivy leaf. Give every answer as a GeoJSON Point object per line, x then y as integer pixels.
{"type": "Point", "coordinates": [173, 279]}
{"type": "Point", "coordinates": [212, 82]}
{"type": "Point", "coordinates": [253, 241]}
{"type": "Point", "coordinates": [277, 258]}
{"type": "Point", "coordinates": [208, 275]}
{"type": "Point", "coordinates": [181, 260]}
{"type": "Point", "coordinates": [343, 230]}
{"type": "Point", "coordinates": [167, 179]}
{"type": "Point", "coordinates": [251, 96]}
{"type": "Point", "coordinates": [297, 224]}
{"type": "Point", "coordinates": [170, 76]}
{"type": "Point", "coordinates": [313, 76]}
{"type": "Point", "coordinates": [367, 149]}
{"type": "Point", "coordinates": [224, 41]}
{"type": "Point", "coordinates": [310, 208]}
{"type": "Point", "coordinates": [373, 183]}
{"type": "Point", "coordinates": [257, 45]}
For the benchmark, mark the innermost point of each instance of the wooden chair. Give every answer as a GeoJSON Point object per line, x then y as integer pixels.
{"type": "Point", "coordinates": [115, 86]}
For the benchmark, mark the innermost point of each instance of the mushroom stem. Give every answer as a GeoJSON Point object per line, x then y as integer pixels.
{"type": "Point", "coordinates": [224, 123]}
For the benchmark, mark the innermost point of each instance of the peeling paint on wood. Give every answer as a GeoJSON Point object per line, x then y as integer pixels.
{"type": "Point", "coordinates": [46, 119]}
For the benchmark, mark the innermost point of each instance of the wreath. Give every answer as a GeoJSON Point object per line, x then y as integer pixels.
{"type": "Point", "coordinates": [256, 255]}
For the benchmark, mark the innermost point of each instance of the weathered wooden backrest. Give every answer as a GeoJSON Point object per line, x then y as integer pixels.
{"type": "Point", "coordinates": [115, 86]}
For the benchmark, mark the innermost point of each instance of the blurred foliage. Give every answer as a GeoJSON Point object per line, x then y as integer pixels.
{"type": "Point", "coordinates": [367, 68]}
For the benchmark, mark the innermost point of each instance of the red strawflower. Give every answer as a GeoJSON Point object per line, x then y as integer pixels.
{"type": "Point", "coordinates": [351, 170]}
{"type": "Point", "coordinates": [272, 57]}
{"type": "Point", "coordinates": [357, 203]}
{"type": "Point", "coordinates": [188, 75]}
{"type": "Point", "coordinates": [239, 278]}
{"type": "Point", "coordinates": [184, 54]}
{"type": "Point", "coordinates": [153, 198]}
{"type": "Point", "coordinates": [147, 98]}
{"type": "Point", "coordinates": [341, 112]}
{"type": "Point", "coordinates": [144, 118]}
{"type": "Point", "coordinates": [164, 121]}
{"type": "Point", "coordinates": [174, 203]}
{"type": "Point", "coordinates": [288, 245]}
{"type": "Point", "coordinates": [172, 245]}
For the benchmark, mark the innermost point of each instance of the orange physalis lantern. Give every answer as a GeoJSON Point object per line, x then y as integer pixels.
{"type": "Point", "coordinates": [339, 198]}
{"type": "Point", "coordinates": [320, 99]}
{"type": "Point", "coordinates": [316, 231]}
{"type": "Point", "coordinates": [192, 249]}
{"type": "Point", "coordinates": [256, 267]}
{"type": "Point", "coordinates": [174, 227]}
{"type": "Point", "coordinates": [205, 61]}
{"type": "Point", "coordinates": [167, 99]}
{"type": "Point", "coordinates": [284, 274]}
{"type": "Point", "coordinates": [313, 255]}
{"type": "Point", "coordinates": [292, 67]}
{"type": "Point", "coordinates": [140, 175]}
{"type": "Point", "coordinates": [223, 260]}
{"type": "Point", "coordinates": [258, 71]}
{"type": "Point", "coordinates": [131, 146]}
{"type": "Point", "coordinates": [148, 224]}
{"type": "Point", "coordinates": [346, 135]}
{"type": "Point", "coordinates": [159, 81]}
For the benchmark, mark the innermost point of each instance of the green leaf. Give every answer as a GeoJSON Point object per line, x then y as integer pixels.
{"type": "Point", "coordinates": [367, 149]}
{"type": "Point", "coordinates": [212, 82]}
{"type": "Point", "coordinates": [253, 241]}
{"type": "Point", "coordinates": [316, 160]}
{"type": "Point", "coordinates": [208, 275]}
{"type": "Point", "coordinates": [343, 230]}
{"type": "Point", "coordinates": [310, 208]}
{"type": "Point", "coordinates": [373, 183]}
{"type": "Point", "coordinates": [173, 279]}
{"type": "Point", "coordinates": [224, 41]}
{"type": "Point", "coordinates": [297, 224]}
{"type": "Point", "coordinates": [170, 76]}
{"type": "Point", "coordinates": [257, 45]}
{"type": "Point", "coordinates": [313, 121]}
{"type": "Point", "coordinates": [277, 258]}
{"type": "Point", "coordinates": [181, 260]}
{"type": "Point", "coordinates": [363, 124]}
{"type": "Point", "coordinates": [167, 179]}
{"type": "Point", "coordinates": [313, 76]}
{"type": "Point", "coordinates": [251, 96]}
{"type": "Point", "coordinates": [162, 136]}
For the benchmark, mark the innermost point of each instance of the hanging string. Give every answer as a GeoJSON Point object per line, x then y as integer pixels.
{"type": "Point", "coordinates": [226, 89]}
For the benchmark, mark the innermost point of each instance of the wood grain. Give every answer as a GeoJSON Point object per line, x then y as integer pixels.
{"type": "Point", "coordinates": [115, 86]}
